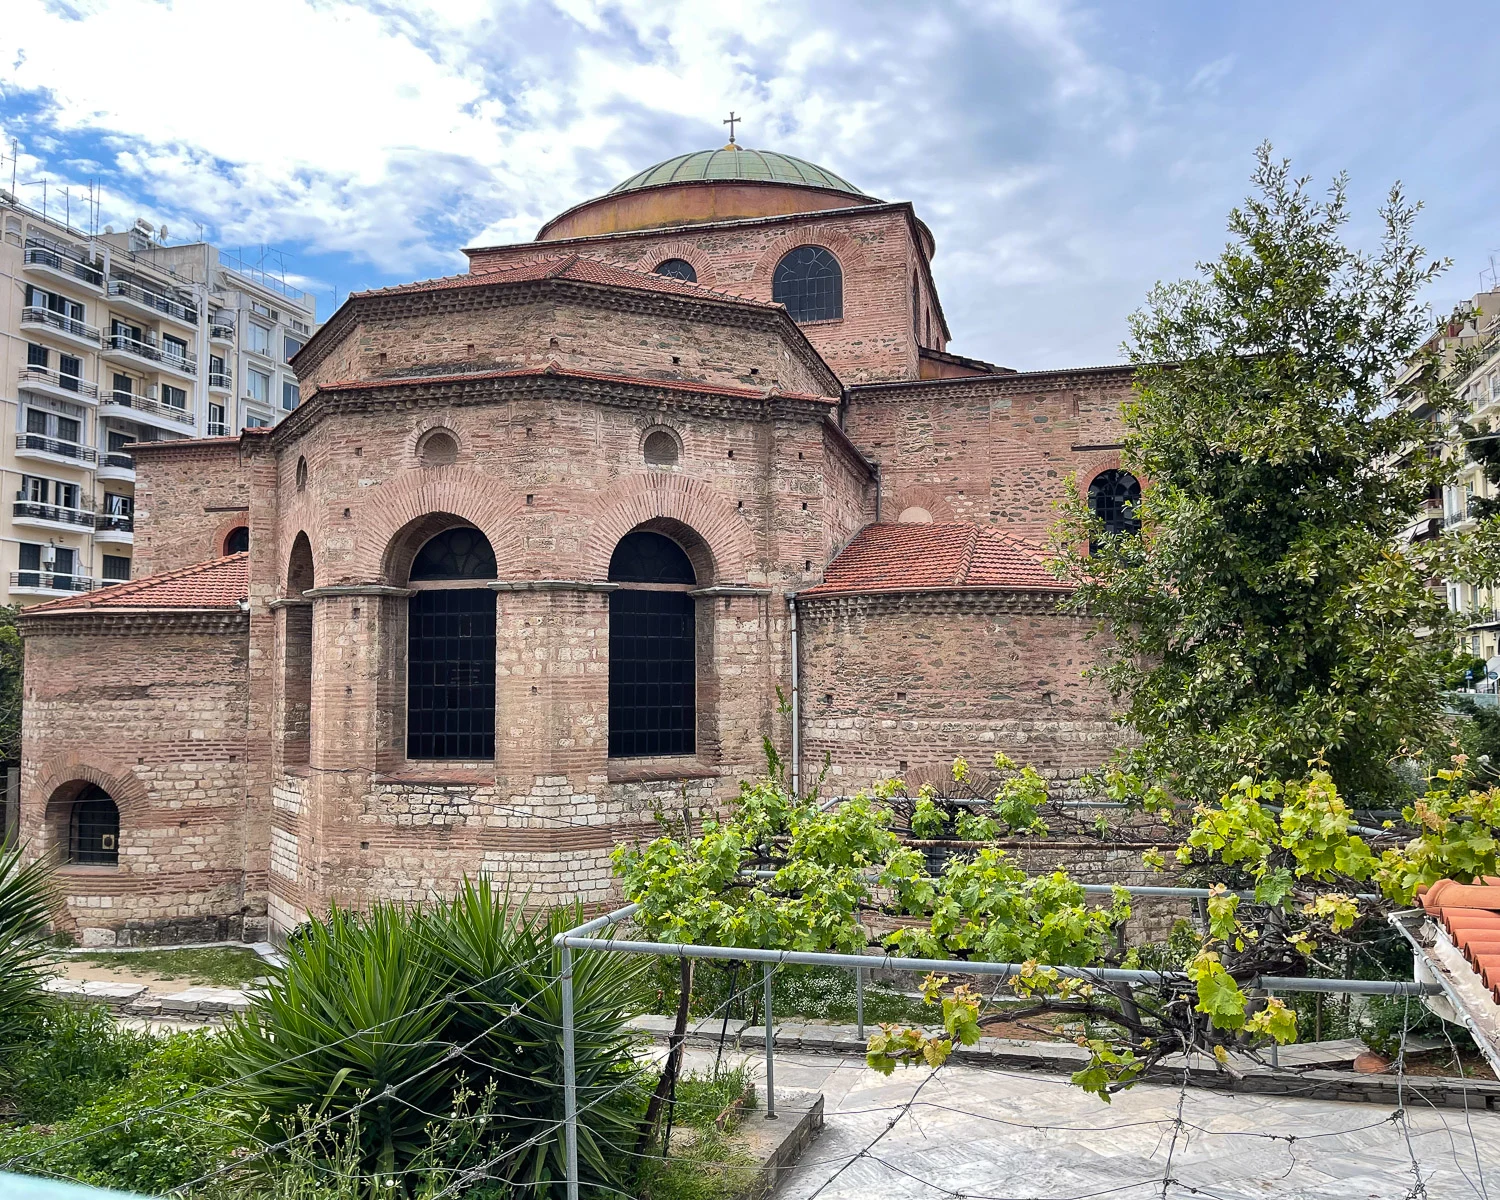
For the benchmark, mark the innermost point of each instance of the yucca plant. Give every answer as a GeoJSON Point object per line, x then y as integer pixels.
{"type": "Point", "coordinates": [25, 901]}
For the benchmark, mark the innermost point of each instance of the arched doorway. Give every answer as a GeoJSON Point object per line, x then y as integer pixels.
{"type": "Point", "coordinates": [94, 829]}
{"type": "Point", "coordinates": [652, 648]}
{"type": "Point", "coordinates": [450, 648]}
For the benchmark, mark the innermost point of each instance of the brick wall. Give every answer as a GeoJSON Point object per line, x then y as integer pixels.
{"type": "Point", "coordinates": [187, 498]}
{"type": "Point", "coordinates": [152, 709]}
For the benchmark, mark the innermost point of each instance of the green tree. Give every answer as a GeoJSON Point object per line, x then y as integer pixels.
{"type": "Point", "coordinates": [1265, 618]}
{"type": "Point", "coordinates": [10, 686]}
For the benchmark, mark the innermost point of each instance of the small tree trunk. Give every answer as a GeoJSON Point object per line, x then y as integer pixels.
{"type": "Point", "coordinates": [667, 1084]}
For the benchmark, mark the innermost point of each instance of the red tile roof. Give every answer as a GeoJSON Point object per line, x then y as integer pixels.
{"type": "Point", "coordinates": [573, 267]}
{"type": "Point", "coordinates": [680, 385]}
{"type": "Point", "coordinates": [899, 558]}
{"type": "Point", "coordinates": [219, 583]}
{"type": "Point", "coordinates": [1470, 914]}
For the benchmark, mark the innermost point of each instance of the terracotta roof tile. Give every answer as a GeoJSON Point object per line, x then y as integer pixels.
{"type": "Point", "coordinates": [680, 385]}
{"type": "Point", "coordinates": [890, 558]}
{"type": "Point", "coordinates": [575, 267]}
{"type": "Point", "coordinates": [1470, 915]}
{"type": "Point", "coordinates": [218, 583]}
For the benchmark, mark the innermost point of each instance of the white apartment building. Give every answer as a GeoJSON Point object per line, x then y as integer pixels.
{"type": "Point", "coordinates": [107, 340]}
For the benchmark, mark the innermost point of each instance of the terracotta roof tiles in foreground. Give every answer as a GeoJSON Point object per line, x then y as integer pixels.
{"type": "Point", "coordinates": [938, 557]}
{"type": "Point", "coordinates": [220, 583]}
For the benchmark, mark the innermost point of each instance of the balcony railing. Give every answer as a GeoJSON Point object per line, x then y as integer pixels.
{"type": "Point", "coordinates": [1457, 518]}
{"type": "Point", "coordinates": [36, 441]}
{"type": "Point", "coordinates": [52, 512]}
{"type": "Point", "coordinates": [46, 256]}
{"type": "Point", "coordinates": [221, 331]}
{"type": "Point", "coordinates": [117, 459]}
{"type": "Point", "coordinates": [146, 405]}
{"type": "Point", "coordinates": [221, 379]}
{"type": "Point", "coordinates": [173, 308]}
{"type": "Point", "coordinates": [109, 522]}
{"type": "Point", "coordinates": [66, 383]}
{"type": "Point", "coordinates": [218, 429]}
{"type": "Point", "coordinates": [52, 581]}
{"type": "Point", "coordinates": [147, 348]}
{"type": "Point", "coordinates": [34, 314]}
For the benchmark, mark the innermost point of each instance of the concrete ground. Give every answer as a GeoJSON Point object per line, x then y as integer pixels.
{"type": "Point", "coordinates": [989, 1134]}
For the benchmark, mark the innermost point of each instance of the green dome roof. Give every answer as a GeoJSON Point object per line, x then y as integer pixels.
{"type": "Point", "coordinates": [736, 162]}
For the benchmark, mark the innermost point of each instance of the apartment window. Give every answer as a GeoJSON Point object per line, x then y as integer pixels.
{"type": "Point", "coordinates": [124, 385]}
{"type": "Point", "coordinates": [290, 346]}
{"type": "Point", "coordinates": [67, 494]}
{"type": "Point", "coordinates": [299, 326]}
{"type": "Point", "coordinates": [258, 339]}
{"type": "Point", "coordinates": [291, 394]}
{"type": "Point", "coordinates": [216, 422]}
{"type": "Point", "coordinates": [254, 422]}
{"type": "Point", "coordinates": [174, 347]}
{"type": "Point", "coordinates": [263, 310]}
{"type": "Point", "coordinates": [36, 356]}
{"type": "Point", "coordinates": [1495, 386]}
{"type": "Point", "coordinates": [258, 386]}
{"type": "Point", "coordinates": [50, 425]}
{"type": "Point", "coordinates": [35, 560]}
{"type": "Point", "coordinates": [36, 298]}
{"type": "Point", "coordinates": [117, 505]}
{"type": "Point", "coordinates": [215, 364]}
{"type": "Point", "coordinates": [68, 371]}
{"type": "Point", "coordinates": [116, 568]}
{"type": "Point", "coordinates": [176, 397]}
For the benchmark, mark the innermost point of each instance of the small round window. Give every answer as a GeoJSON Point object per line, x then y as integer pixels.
{"type": "Point", "coordinates": [660, 448]}
{"type": "Point", "coordinates": [301, 473]}
{"type": "Point", "coordinates": [678, 268]}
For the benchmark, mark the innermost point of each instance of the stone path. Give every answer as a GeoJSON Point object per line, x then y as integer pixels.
{"type": "Point", "coordinates": [973, 1133]}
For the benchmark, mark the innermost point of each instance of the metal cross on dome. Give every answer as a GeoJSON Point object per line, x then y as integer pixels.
{"type": "Point", "coordinates": [731, 123]}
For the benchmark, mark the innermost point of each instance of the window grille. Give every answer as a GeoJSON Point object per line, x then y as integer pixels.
{"type": "Point", "coordinates": [459, 553]}
{"type": "Point", "coordinates": [652, 650]}
{"type": "Point", "coordinates": [94, 829]}
{"type": "Point", "coordinates": [678, 268]}
{"type": "Point", "coordinates": [810, 282]}
{"type": "Point", "coordinates": [1114, 497]}
{"type": "Point", "coordinates": [450, 664]}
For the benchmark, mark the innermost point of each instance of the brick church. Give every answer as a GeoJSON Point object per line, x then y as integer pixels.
{"type": "Point", "coordinates": [541, 550]}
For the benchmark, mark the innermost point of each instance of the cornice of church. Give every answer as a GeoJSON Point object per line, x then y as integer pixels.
{"type": "Point", "coordinates": [935, 602]}
{"type": "Point", "coordinates": [1013, 383]}
{"type": "Point", "coordinates": [86, 621]}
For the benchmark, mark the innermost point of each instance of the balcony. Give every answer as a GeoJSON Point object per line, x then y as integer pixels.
{"type": "Point", "coordinates": [220, 381]}
{"type": "Point", "coordinates": [218, 429]}
{"type": "Point", "coordinates": [58, 263]}
{"type": "Point", "coordinates": [35, 445]}
{"type": "Point", "coordinates": [146, 411]}
{"type": "Point", "coordinates": [122, 347]}
{"type": "Point", "coordinates": [125, 293]}
{"type": "Point", "coordinates": [51, 516]}
{"type": "Point", "coordinates": [115, 464]}
{"type": "Point", "coordinates": [48, 583]}
{"type": "Point", "coordinates": [64, 329]}
{"type": "Point", "coordinates": [54, 383]}
{"type": "Point", "coordinates": [220, 331]}
{"type": "Point", "coordinates": [118, 528]}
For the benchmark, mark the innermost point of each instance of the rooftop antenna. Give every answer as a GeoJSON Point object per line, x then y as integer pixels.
{"type": "Point", "coordinates": [733, 120]}
{"type": "Point", "coordinates": [15, 154]}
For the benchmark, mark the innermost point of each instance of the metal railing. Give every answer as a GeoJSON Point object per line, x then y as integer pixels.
{"type": "Point", "coordinates": [219, 331]}
{"type": "Point", "coordinates": [165, 304]}
{"type": "Point", "coordinates": [53, 512]}
{"type": "Point", "coordinates": [47, 256]}
{"type": "Point", "coordinates": [52, 581]}
{"type": "Point", "coordinates": [35, 314]}
{"type": "Point", "coordinates": [114, 458]}
{"type": "Point", "coordinates": [221, 379]}
{"type": "Point", "coordinates": [67, 383]}
{"type": "Point", "coordinates": [146, 405]}
{"type": "Point", "coordinates": [46, 445]}
{"type": "Point", "coordinates": [148, 349]}
{"type": "Point", "coordinates": [218, 429]}
{"type": "Point", "coordinates": [111, 522]}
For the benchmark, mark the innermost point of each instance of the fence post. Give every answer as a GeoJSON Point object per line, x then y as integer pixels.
{"type": "Point", "coordinates": [770, 1053]}
{"type": "Point", "coordinates": [859, 1001]}
{"type": "Point", "coordinates": [570, 1075]}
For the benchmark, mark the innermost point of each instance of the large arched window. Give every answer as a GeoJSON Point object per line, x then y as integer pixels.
{"type": "Point", "coordinates": [450, 649]}
{"type": "Point", "coordinates": [678, 268]}
{"type": "Point", "coordinates": [810, 282]}
{"type": "Point", "coordinates": [297, 650]}
{"type": "Point", "coordinates": [1114, 497]}
{"type": "Point", "coordinates": [652, 660]}
{"type": "Point", "coordinates": [94, 829]}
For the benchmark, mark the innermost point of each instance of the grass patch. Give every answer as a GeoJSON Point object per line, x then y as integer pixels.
{"type": "Point", "coordinates": [706, 1159]}
{"type": "Point", "coordinates": [216, 966]}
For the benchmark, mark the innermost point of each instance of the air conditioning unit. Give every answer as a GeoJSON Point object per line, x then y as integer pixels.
{"type": "Point", "coordinates": [151, 391]}
{"type": "Point", "coordinates": [49, 555]}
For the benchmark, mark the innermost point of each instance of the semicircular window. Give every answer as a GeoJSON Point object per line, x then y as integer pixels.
{"type": "Point", "coordinates": [459, 553]}
{"type": "Point", "coordinates": [644, 557]}
{"type": "Point", "coordinates": [810, 282]}
{"type": "Point", "coordinates": [1114, 497]}
{"type": "Point", "coordinates": [678, 268]}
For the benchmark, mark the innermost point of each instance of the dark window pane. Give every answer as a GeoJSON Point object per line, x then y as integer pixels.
{"type": "Point", "coordinates": [643, 557]}
{"type": "Point", "coordinates": [94, 829]}
{"type": "Point", "coordinates": [678, 268]}
{"type": "Point", "coordinates": [810, 283]}
{"type": "Point", "coordinates": [450, 674]}
{"type": "Point", "coordinates": [460, 553]}
{"type": "Point", "coordinates": [36, 356]}
{"type": "Point", "coordinates": [1113, 498]}
{"type": "Point", "coordinates": [652, 669]}
{"type": "Point", "coordinates": [238, 540]}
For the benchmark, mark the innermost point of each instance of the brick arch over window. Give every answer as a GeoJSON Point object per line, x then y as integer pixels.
{"type": "Point", "coordinates": [472, 498]}
{"type": "Point", "coordinates": [685, 509]}
{"type": "Point", "coordinates": [850, 254]}
{"type": "Point", "coordinates": [918, 495]}
{"type": "Point", "coordinates": [689, 252]}
{"type": "Point", "coordinates": [1095, 465]}
{"type": "Point", "coordinates": [64, 781]}
{"type": "Point", "coordinates": [227, 525]}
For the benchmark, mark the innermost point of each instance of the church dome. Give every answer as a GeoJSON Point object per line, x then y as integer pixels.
{"type": "Point", "coordinates": [729, 184]}
{"type": "Point", "coordinates": [733, 163]}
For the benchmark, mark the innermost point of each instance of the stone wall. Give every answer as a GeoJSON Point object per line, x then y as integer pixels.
{"type": "Point", "coordinates": [151, 708]}
{"type": "Point", "coordinates": [188, 496]}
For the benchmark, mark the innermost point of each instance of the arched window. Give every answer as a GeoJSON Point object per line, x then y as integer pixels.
{"type": "Point", "coordinates": [94, 829]}
{"type": "Point", "coordinates": [439, 449]}
{"type": "Point", "coordinates": [660, 449]}
{"type": "Point", "coordinates": [652, 649]}
{"type": "Point", "coordinates": [450, 650]}
{"type": "Point", "coordinates": [1113, 497]}
{"type": "Point", "coordinates": [678, 268]}
{"type": "Point", "coordinates": [297, 651]}
{"type": "Point", "coordinates": [237, 540]}
{"type": "Point", "coordinates": [810, 282]}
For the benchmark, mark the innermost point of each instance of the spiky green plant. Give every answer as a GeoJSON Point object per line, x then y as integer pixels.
{"type": "Point", "coordinates": [25, 900]}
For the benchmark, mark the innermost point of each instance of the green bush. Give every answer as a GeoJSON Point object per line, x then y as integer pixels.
{"type": "Point", "coordinates": [25, 952]}
{"type": "Point", "coordinates": [378, 1022]}
{"type": "Point", "coordinates": [73, 1055]}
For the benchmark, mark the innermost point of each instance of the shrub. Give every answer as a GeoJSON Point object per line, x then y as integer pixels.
{"type": "Point", "coordinates": [74, 1055]}
{"type": "Point", "coordinates": [25, 894]}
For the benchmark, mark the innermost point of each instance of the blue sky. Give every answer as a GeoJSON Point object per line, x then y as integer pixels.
{"type": "Point", "coordinates": [1066, 155]}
